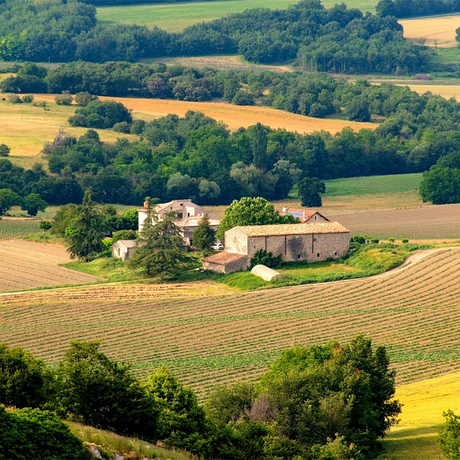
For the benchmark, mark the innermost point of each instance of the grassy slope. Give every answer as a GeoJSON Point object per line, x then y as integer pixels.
{"type": "Point", "coordinates": [174, 17]}
{"type": "Point", "coordinates": [423, 403]}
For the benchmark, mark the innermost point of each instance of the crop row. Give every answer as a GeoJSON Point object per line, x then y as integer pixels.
{"type": "Point", "coordinates": [208, 339]}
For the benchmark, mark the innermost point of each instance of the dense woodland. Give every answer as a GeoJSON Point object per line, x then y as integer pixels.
{"type": "Point", "coordinates": [330, 402]}
{"type": "Point", "coordinates": [411, 8]}
{"type": "Point", "coordinates": [337, 39]}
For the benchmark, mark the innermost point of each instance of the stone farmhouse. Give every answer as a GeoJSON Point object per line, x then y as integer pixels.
{"type": "Point", "coordinates": [313, 242]}
{"type": "Point", "coordinates": [305, 216]}
{"type": "Point", "coordinates": [188, 214]}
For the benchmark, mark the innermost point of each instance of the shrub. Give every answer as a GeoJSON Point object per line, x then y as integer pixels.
{"type": "Point", "coordinates": [14, 99]}
{"type": "Point", "coordinates": [83, 98]}
{"type": "Point", "coordinates": [4, 150]}
{"type": "Point", "coordinates": [64, 99]}
{"type": "Point", "coordinates": [32, 433]}
{"type": "Point", "coordinates": [391, 240]}
{"type": "Point", "coordinates": [137, 127]}
{"type": "Point", "coordinates": [266, 258]}
{"type": "Point", "coordinates": [404, 240]}
{"type": "Point", "coordinates": [122, 127]}
{"type": "Point", "coordinates": [45, 225]}
{"type": "Point", "coordinates": [28, 99]}
{"type": "Point", "coordinates": [39, 103]}
{"type": "Point", "coordinates": [449, 436]}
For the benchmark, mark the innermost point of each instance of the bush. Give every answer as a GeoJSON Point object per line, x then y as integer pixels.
{"type": "Point", "coordinates": [45, 225]}
{"type": "Point", "coordinates": [137, 127]}
{"type": "Point", "coordinates": [122, 127]}
{"type": "Point", "coordinates": [262, 257]}
{"type": "Point", "coordinates": [32, 433]}
{"type": "Point", "coordinates": [28, 99]}
{"type": "Point", "coordinates": [101, 114]}
{"type": "Point", "coordinates": [83, 98]}
{"type": "Point", "coordinates": [391, 240]}
{"type": "Point", "coordinates": [14, 99]}
{"type": "Point", "coordinates": [4, 150]}
{"type": "Point", "coordinates": [449, 436]}
{"type": "Point", "coordinates": [404, 241]}
{"type": "Point", "coordinates": [64, 99]}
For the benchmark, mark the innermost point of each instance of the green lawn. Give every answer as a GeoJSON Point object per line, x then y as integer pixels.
{"type": "Point", "coordinates": [174, 17]}
{"type": "Point", "coordinates": [373, 184]}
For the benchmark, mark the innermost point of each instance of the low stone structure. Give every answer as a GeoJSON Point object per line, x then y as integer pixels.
{"type": "Point", "coordinates": [123, 249]}
{"type": "Point", "coordinates": [225, 262]}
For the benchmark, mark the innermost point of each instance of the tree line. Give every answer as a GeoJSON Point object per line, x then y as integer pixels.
{"type": "Point", "coordinates": [320, 402]}
{"type": "Point", "coordinates": [315, 38]}
{"type": "Point", "coordinates": [411, 8]}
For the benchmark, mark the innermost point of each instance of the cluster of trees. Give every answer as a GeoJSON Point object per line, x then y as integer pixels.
{"type": "Point", "coordinates": [32, 203]}
{"type": "Point", "coordinates": [411, 8]}
{"type": "Point", "coordinates": [441, 184]}
{"type": "Point", "coordinates": [338, 39]}
{"type": "Point", "coordinates": [323, 402]}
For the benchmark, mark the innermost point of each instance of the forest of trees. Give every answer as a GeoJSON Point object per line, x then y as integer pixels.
{"type": "Point", "coordinates": [411, 8]}
{"type": "Point", "coordinates": [331, 402]}
{"type": "Point", "coordinates": [336, 39]}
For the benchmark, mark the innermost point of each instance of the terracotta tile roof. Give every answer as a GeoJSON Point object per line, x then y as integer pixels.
{"type": "Point", "coordinates": [302, 214]}
{"type": "Point", "coordinates": [195, 221]}
{"type": "Point", "coordinates": [223, 257]}
{"type": "Point", "coordinates": [292, 229]}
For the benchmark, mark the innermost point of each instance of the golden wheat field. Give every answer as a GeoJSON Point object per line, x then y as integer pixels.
{"type": "Point", "coordinates": [233, 116]}
{"type": "Point", "coordinates": [209, 335]}
{"type": "Point", "coordinates": [27, 265]}
{"type": "Point", "coordinates": [446, 91]}
{"type": "Point", "coordinates": [436, 31]}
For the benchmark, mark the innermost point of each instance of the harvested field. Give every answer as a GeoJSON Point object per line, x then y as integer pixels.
{"type": "Point", "coordinates": [436, 31]}
{"type": "Point", "coordinates": [442, 221]}
{"type": "Point", "coordinates": [233, 116]}
{"type": "Point", "coordinates": [446, 91]}
{"type": "Point", "coordinates": [27, 265]}
{"type": "Point", "coordinates": [207, 335]}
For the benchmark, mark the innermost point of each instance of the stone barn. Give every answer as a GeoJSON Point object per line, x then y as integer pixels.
{"type": "Point", "coordinates": [123, 249]}
{"type": "Point", "coordinates": [313, 242]}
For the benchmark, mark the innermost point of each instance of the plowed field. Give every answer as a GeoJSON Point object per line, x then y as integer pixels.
{"type": "Point", "coordinates": [26, 265]}
{"type": "Point", "coordinates": [207, 336]}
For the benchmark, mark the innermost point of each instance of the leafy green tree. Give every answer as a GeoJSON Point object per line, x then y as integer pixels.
{"type": "Point", "coordinates": [32, 203]}
{"type": "Point", "coordinates": [309, 191]}
{"type": "Point", "coordinates": [32, 433]}
{"type": "Point", "coordinates": [100, 392]}
{"type": "Point", "coordinates": [161, 249]}
{"type": "Point", "coordinates": [181, 420]}
{"type": "Point", "coordinates": [203, 237]}
{"type": "Point", "coordinates": [64, 99]}
{"type": "Point", "coordinates": [83, 98]}
{"type": "Point", "coordinates": [4, 150]}
{"type": "Point", "coordinates": [8, 198]}
{"type": "Point", "coordinates": [449, 436]}
{"type": "Point", "coordinates": [259, 146]}
{"type": "Point", "coordinates": [24, 380]}
{"type": "Point", "coordinates": [441, 185]}
{"type": "Point", "coordinates": [250, 211]}
{"type": "Point", "coordinates": [63, 218]}
{"type": "Point", "coordinates": [85, 234]}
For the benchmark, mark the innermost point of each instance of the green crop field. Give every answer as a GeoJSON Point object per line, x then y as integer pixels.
{"type": "Point", "coordinates": [18, 228]}
{"type": "Point", "coordinates": [373, 185]}
{"type": "Point", "coordinates": [175, 17]}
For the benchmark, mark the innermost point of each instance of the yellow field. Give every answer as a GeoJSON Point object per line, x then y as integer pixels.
{"type": "Point", "coordinates": [26, 129]}
{"type": "Point", "coordinates": [414, 438]}
{"type": "Point", "coordinates": [432, 31]}
{"type": "Point", "coordinates": [446, 91]}
{"type": "Point", "coordinates": [26, 265]}
{"type": "Point", "coordinates": [233, 116]}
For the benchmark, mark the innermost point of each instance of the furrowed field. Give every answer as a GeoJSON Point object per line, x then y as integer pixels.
{"type": "Point", "coordinates": [175, 17]}
{"type": "Point", "coordinates": [26, 265]}
{"type": "Point", "coordinates": [209, 335]}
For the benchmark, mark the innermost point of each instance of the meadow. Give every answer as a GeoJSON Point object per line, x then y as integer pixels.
{"type": "Point", "coordinates": [174, 17]}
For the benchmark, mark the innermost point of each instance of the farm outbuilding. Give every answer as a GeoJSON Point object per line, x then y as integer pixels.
{"type": "Point", "coordinates": [306, 216]}
{"type": "Point", "coordinates": [123, 249]}
{"type": "Point", "coordinates": [312, 242]}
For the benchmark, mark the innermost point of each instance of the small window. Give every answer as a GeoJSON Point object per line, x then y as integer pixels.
{"type": "Point", "coordinates": [317, 254]}
{"type": "Point", "coordinates": [336, 253]}
{"type": "Point", "coordinates": [316, 217]}
{"type": "Point", "coordinates": [181, 204]}
{"type": "Point", "coordinates": [298, 257]}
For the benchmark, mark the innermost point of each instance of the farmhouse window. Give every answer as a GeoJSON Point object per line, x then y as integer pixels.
{"type": "Point", "coordinates": [317, 254]}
